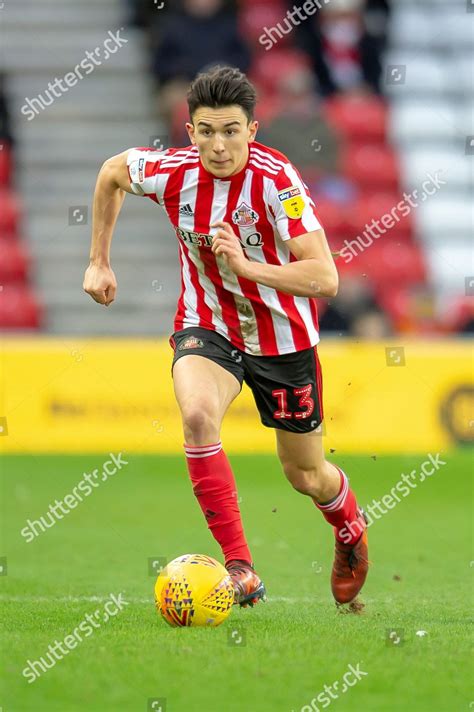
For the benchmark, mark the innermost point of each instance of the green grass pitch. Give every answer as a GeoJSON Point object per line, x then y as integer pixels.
{"type": "Point", "coordinates": [277, 656]}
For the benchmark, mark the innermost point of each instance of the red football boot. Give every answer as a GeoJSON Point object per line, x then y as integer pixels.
{"type": "Point", "coordinates": [349, 571]}
{"type": "Point", "coordinates": [248, 587]}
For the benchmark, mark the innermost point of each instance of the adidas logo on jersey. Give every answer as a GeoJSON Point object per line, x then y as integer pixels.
{"type": "Point", "coordinates": [186, 210]}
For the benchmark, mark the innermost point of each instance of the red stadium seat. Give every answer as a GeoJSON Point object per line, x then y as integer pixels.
{"type": "Point", "coordinates": [374, 206]}
{"type": "Point", "coordinates": [19, 308]}
{"type": "Point", "coordinates": [412, 309]}
{"type": "Point", "coordinates": [386, 263]}
{"type": "Point", "coordinates": [272, 68]}
{"type": "Point", "coordinates": [9, 212]}
{"type": "Point", "coordinates": [14, 262]}
{"type": "Point", "coordinates": [371, 166]}
{"type": "Point", "coordinates": [334, 218]}
{"type": "Point", "coordinates": [5, 164]}
{"type": "Point", "coordinates": [255, 16]}
{"type": "Point", "coordinates": [357, 118]}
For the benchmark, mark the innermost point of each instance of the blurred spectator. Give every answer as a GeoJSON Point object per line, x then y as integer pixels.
{"type": "Point", "coordinates": [198, 34]}
{"type": "Point", "coordinates": [355, 312]}
{"type": "Point", "coordinates": [345, 40]}
{"type": "Point", "coordinates": [5, 125]}
{"type": "Point", "coordinates": [299, 130]}
{"type": "Point", "coordinates": [372, 324]}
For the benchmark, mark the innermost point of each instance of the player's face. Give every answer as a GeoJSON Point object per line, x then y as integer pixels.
{"type": "Point", "coordinates": [222, 137]}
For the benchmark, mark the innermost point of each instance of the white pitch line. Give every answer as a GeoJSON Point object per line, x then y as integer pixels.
{"type": "Point", "coordinates": [140, 601]}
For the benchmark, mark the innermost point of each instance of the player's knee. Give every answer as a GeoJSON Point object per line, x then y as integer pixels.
{"type": "Point", "coordinates": [199, 423]}
{"type": "Point", "coordinates": [309, 482]}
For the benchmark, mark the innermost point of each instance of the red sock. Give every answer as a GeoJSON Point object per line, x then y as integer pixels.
{"type": "Point", "coordinates": [214, 486]}
{"type": "Point", "coordinates": [343, 513]}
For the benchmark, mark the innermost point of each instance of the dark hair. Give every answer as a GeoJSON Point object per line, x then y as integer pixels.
{"type": "Point", "coordinates": [222, 86]}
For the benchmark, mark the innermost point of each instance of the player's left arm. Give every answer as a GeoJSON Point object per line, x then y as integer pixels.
{"type": "Point", "coordinates": [314, 274]}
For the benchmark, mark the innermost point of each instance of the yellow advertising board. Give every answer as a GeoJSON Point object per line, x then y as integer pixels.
{"type": "Point", "coordinates": [90, 395]}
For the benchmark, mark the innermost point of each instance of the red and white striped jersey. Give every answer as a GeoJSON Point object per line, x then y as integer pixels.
{"type": "Point", "coordinates": [267, 204]}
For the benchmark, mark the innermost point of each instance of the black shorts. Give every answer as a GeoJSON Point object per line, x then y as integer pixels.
{"type": "Point", "coordinates": [287, 389]}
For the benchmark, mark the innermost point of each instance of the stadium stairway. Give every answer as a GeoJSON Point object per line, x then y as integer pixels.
{"type": "Point", "coordinates": [59, 154]}
{"type": "Point", "coordinates": [432, 109]}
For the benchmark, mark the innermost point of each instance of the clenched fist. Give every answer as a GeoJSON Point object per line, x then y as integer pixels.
{"type": "Point", "coordinates": [100, 283]}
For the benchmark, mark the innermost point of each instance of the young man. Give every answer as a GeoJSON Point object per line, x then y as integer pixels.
{"type": "Point", "coordinates": [253, 256]}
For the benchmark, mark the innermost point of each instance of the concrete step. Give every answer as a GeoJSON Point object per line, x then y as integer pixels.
{"type": "Point", "coordinates": [92, 319]}
{"type": "Point", "coordinates": [37, 15]}
{"type": "Point", "coordinates": [60, 52]}
{"type": "Point", "coordinates": [56, 207]}
{"type": "Point", "coordinates": [54, 193]}
{"type": "Point", "coordinates": [65, 144]}
{"type": "Point", "coordinates": [133, 235]}
{"type": "Point", "coordinates": [92, 99]}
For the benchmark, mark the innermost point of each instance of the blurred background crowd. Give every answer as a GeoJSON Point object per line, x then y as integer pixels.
{"type": "Point", "coordinates": [369, 99]}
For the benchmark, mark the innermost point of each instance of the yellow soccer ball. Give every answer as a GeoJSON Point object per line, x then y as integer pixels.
{"type": "Point", "coordinates": [194, 590]}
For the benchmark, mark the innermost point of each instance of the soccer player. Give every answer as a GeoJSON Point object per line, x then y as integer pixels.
{"type": "Point", "coordinates": [253, 258]}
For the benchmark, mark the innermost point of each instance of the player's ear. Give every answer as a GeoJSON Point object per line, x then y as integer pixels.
{"type": "Point", "coordinates": [253, 128]}
{"type": "Point", "coordinates": [190, 130]}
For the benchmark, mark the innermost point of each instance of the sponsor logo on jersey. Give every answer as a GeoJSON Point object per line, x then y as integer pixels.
{"type": "Point", "coordinates": [292, 202]}
{"type": "Point", "coordinates": [288, 193]}
{"type": "Point", "coordinates": [134, 171]}
{"type": "Point", "coordinates": [202, 239]}
{"type": "Point", "coordinates": [141, 170]}
{"type": "Point", "coordinates": [192, 342]}
{"type": "Point", "coordinates": [244, 215]}
{"type": "Point", "coordinates": [294, 207]}
{"type": "Point", "coordinates": [186, 210]}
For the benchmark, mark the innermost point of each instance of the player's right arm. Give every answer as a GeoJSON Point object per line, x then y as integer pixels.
{"type": "Point", "coordinates": [112, 183]}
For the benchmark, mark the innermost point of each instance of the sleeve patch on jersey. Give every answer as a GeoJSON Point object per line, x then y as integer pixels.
{"type": "Point", "coordinates": [136, 171]}
{"type": "Point", "coordinates": [294, 207]}
{"type": "Point", "coordinates": [288, 193]}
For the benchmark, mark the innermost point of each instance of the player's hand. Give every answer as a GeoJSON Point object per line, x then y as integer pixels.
{"type": "Point", "coordinates": [100, 283]}
{"type": "Point", "coordinates": [226, 243]}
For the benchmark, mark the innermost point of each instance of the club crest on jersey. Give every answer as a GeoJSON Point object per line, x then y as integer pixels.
{"type": "Point", "coordinates": [141, 171]}
{"type": "Point", "coordinates": [292, 201]}
{"type": "Point", "coordinates": [192, 342]}
{"type": "Point", "coordinates": [244, 215]}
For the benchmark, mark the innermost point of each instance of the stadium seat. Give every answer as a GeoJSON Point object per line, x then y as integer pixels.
{"type": "Point", "coordinates": [371, 166]}
{"type": "Point", "coordinates": [436, 159]}
{"type": "Point", "coordinates": [9, 212]}
{"type": "Point", "coordinates": [445, 217]}
{"type": "Point", "coordinates": [413, 27]}
{"type": "Point", "coordinates": [387, 263]}
{"type": "Point", "coordinates": [19, 308]}
{"type": "Point", "coordinates": [459, 312]}
{"type": "Point", "coordinates": [333, 217]}
{"type": "Point", "coordinates": [415, 121]}
{"type": "Point", "coordinates": [412, 309]}
{"type": "Point", "coordinates": [425, 75]}
{"type": "Point", "coordinates": [13, 262]}
{"type": "Point", "coordinates": [270, 69]}
{"type": "Point", "coordinates": [357, 118]}
{"type": "Point", "coordinates": [254, 17]}
{"type": "Point", "coordinates": [5, 164]}
{"type": "Point", "coordinates": [450, 264]}
{"type": "Point", "coordinates": [461, 72]}
{"type": "Point", "coordinates": [373, 206]}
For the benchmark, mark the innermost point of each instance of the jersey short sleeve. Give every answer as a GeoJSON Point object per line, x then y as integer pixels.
{"type": "Point", "coordinates": [291, 204]}
{"type": "Point", "coordinates": [143, 170]}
